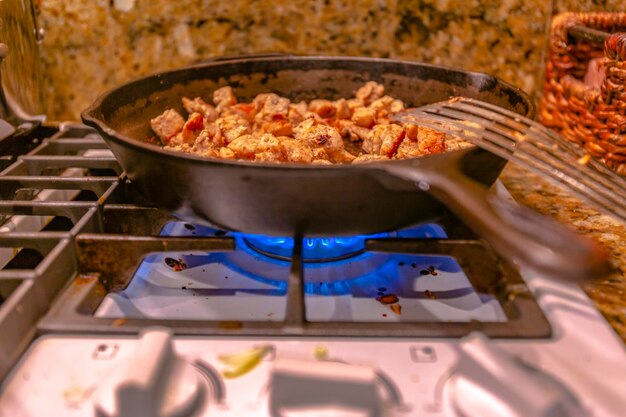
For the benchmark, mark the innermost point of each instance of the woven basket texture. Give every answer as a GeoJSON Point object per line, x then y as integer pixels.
{"type": "Point", "coordinates": [593, 116]}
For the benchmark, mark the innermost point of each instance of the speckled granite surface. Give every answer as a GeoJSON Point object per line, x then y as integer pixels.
{"type": "Point", "coordinates": [609, 294]}
{"type": "Point", "coordinates": [107, 46]}
{"type": "Point", "coordinates": [92, 45]}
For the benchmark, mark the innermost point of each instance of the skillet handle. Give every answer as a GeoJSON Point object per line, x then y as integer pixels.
{"type": "Point", "coordinates": [514, 231]}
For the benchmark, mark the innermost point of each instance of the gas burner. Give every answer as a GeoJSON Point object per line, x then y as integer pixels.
{"type": "Point", "coordinates": [327, 249]}
{"type": "Point", "coordinates": [314, 250]}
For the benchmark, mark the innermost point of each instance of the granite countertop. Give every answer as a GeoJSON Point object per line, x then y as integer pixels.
{"type": "Point", "coordinates": [609, 294]}
{"type": "Point", "coordinates": [108, 43]}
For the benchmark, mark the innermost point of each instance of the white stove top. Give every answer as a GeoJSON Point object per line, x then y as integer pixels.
{"type": "Point", "coordinates": [429, 376]}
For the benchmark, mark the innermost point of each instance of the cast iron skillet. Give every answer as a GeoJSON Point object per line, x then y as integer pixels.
{"type": "Point", "coordinates": [311, 200]}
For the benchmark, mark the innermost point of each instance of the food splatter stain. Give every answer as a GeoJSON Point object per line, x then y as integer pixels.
{"type": "Point", "coordinates": [176, 264]}
{"type": "Point", "coordinates": [430, 294]}
{"type": "Point", "coordinates": [396, 308]}
{"type": "Point", "coordinates": [429, 271]}
{"type": "Point", "coordinates": [387, 299]}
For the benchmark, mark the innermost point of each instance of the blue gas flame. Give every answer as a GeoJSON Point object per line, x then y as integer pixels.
{"type": "Point", "coordinates": [312, 248]}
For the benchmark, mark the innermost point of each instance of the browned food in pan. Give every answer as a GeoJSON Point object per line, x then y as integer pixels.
{"type": "Point", "coordinates": [273, 129]}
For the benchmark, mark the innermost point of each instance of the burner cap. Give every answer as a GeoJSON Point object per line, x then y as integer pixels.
{"type": "Point", "coordinates": [314, 250]}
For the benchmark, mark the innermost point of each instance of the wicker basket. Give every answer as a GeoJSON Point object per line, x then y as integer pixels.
{"type": "Point", "coordinates": [594, 117]}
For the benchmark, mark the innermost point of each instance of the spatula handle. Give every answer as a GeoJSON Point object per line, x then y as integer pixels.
{"type": "Point", "coordinates": [515, 232]}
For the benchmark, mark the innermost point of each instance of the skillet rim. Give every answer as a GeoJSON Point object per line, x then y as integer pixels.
{"type": "Point", "coordinates": [90, 117]}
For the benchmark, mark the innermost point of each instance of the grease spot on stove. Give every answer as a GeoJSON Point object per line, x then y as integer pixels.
{"type": "Point", "coordinates": [387, 299]}
{"type": "Point", "coordinates": [176, 264]}
{"type": "Point", "coordinates": [230, 325]}
{"type": "Point", "coordinates": [429, 271]}
{"type": "Point", "coordinates": [430, 294]}
{"type": "Point", "coordinates": [119, 322]}
{"type": "Point", "coordinates": [396, 308]}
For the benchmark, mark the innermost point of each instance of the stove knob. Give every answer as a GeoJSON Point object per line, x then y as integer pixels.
{"type": "Point", "coordinates": [488, 381]}
{"type": "Point", "coordinates": [155, 382]}
{"type": "Point", "coordinates": [329, 388]}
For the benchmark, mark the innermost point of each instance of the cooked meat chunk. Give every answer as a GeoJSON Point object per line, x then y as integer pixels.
{"type": "Point", "coordinates": [209, 153]}
{"type": "Point", "coordinates": [342, 109]}
{"type": "Point", "coordinates": [407, 149]}
{"type": "Point", "coordinates": [224, 97]}
{"type": "Point", "coordinates": [354, 103]}
{"type": "Point", "coordinates": [324, 137]}
{"type": "Point", "coordinates": [197, 105]}
{"type": "Point", "coordinates": [321, 162]}
{"type": "Point", "coordinates": [302, 127]}
{"type": "Point", "coordinates": [455, 143]}
{"type": "Point", "coordinates": [204, 141]}
{"type": "Point", "coordinates": [295, 150]}
{"type": "Point", "coordinates": [411, 132]}
{"type": "Point", "coordinates": [324, 108]}
{"type": "Point", "coordinates": [343, 127]}
{"type": "Point", "coordinates": [384, 140]}
{"type": "Point", "coordinates": [231, 127]}
{"type": "Point", "coordinates": [244, 146]}
{"type": "Point", "coordinates": [342, 156]}
{"type": "Point", "coordinates": [269, 147]}
{"type": "Point", "coordinates": [386, 105]}
{"type": "Point", "coordinates": [380, 105]}
{"type": "Point", "coordinates": [392, 136]}
{"type": "Point", "coordinates": [369, 92]}
{"type": "Point", "coordinates": [358, 133]}
{"type": "Point", "coordinates": [369, 158]}
{"type": "Point", "coordinates": [192, 127]}
{"type": "Point", "coordinates": [244, 110]}
{"type": "Point", "coordinates": [320, 153]}
{"type": "Point", "coordinates": [364, 117]}
{"type": "Point", "coordinates": [272, 129]}
{"type": "Point", "coordinates": [274, 108]}
{"type": "Point", "coordinates": [259, 100]}
{"type": "Point", "coordinates": [278, 127]}
{"type": "Point", "coordinates": [430, 141]}
{"type": "Point", "coordinates": [167, 125]}
{"type": "Point", "coordinates": [226, 153]}
{"type": "Point", "coordinates": [296, 113]}
{"type": "Point", "coordinates": [396, 106]}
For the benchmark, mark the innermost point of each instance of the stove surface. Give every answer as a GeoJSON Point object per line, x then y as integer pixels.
{"type": "Point", "coordinates": [585, 362]}
{"type": "Point", "coordinates": [147, 315]}
{"type": "Point", "coordinates": [248, 285]}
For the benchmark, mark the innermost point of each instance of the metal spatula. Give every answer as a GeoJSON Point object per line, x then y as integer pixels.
{"type": "Point", "coordinates": [519, 139]}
